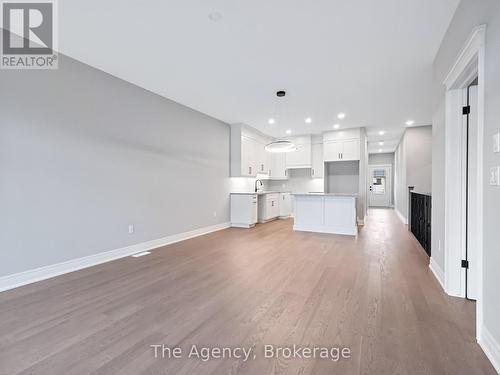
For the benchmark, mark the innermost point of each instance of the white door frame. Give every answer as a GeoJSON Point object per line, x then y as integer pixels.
{"type": "Point", "coordinates": [389, 166]}
{"type": "Point", "coordinates": [469, 64]}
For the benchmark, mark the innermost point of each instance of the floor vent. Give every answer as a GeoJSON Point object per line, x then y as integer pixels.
{"type": "Point", "coordinates": [141, 254]}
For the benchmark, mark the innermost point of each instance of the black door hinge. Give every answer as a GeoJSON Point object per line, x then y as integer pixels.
{"type": "Point", "coordinates": [466, 110]}
{"type": "Point", "coordinates": [465, 263]}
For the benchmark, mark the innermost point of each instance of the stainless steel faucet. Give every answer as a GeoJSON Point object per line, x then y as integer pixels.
{"type": "Point", "coordinates": [261, 184]}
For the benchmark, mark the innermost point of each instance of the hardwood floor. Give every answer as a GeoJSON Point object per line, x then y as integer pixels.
{"type": "Point", "coordinates": [266, 286]}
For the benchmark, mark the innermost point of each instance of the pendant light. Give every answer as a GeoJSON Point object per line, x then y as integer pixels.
{"type": "Point", "coordinates": [280, 146]}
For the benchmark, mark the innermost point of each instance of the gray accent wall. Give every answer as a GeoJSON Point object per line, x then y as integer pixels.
{"type": "Point", "coordinates": [413, 165]}
{"type": "Point", "coordinates": [84, 154]}
{"type": "Point", "coordinates": [469, 14]}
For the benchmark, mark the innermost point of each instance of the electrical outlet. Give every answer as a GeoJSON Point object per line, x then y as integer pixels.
{"type": "Point", "coordinates": [496, 142]}
{"type": "Point", "coordinates": [131, 229]}
{"type": "Point", "coordinates": [495, 176]}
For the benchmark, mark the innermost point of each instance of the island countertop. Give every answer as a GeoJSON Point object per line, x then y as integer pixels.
{"type": "Point", "coordinates": [327, 195]}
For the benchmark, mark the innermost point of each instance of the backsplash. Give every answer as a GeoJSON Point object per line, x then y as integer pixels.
{"type": "Point", "coordinates": [299, 181]}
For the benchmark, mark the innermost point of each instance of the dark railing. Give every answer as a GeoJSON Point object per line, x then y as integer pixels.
{"type": "Point", "coordinates": [420, 219]}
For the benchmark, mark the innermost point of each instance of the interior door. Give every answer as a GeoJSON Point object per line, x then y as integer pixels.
{"type": "Point", "coordinates": [472, 193]}
{"type": "Point", "coordinates": [380, 188]}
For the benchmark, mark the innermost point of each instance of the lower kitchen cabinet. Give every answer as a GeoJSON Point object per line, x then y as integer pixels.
{"type": "Point", "coordinates": [285, 205]}
{"type": "Point", "coordinates": [268, 207]}
{"type": "Point", "coordinates": [243, 210]}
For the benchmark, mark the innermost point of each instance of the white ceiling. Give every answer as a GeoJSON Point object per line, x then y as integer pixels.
{"type": "Point", "coordinates": [370, 59]}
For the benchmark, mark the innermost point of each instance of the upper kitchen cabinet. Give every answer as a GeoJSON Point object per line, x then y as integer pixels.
{"type": "Point", "coordinates": [318, 165]}
{"type": "Point", "coordinates": [342, 145]}
{"type": "Point", "coordinates": [301, 158]}
{"type": "Point", "coordinates": [277, 166]}
{"type": "Point", "coordinates": [248, 154]}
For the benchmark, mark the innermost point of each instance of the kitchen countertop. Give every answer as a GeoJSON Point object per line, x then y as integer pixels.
{"type": "Point", "coordinates": [328, 195]}
{"type": "Point", "coordinates": [259, 192]}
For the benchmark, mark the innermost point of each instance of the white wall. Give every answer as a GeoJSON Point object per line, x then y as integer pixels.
{"type": "Point", "coordinates": [381, 158]}
{"type": "Point", "coordinates": [419, 158]}
{"type": "Point", "coordinates": [471, 13]}
{"type": "Point", "coordinates": [400, 186]}
{"type": "Point", "coordinates": [84, 154]}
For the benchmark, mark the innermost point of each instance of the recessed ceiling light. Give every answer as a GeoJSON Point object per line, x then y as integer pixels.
{"type": "Point", "coordinates": [381, 143]}
{"type": "Point", "coordinates": [271, 121]}
{"type": "Point", "coordinates": [308, 120]}
{"type": "Point", "coordinates": [341, 115]}
{"type": "Point", "coordinates": [379, 150]}
{"type": "Point", "coordinates": [336, 126]}
{"type": "Point", "coordinates": [288, 131]}
{"type": "Point", "coordinates": [215, 16]}
{"type": "Point", "coordinates": [382, 132]}
{"type": "Point", "coordinates": [410, 122]}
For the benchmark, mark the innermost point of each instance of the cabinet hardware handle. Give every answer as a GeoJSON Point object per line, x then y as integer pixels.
{"type": "Point", "coordinates": [249, 170]}
{"type": "Point", "coordinates": [313, 171]}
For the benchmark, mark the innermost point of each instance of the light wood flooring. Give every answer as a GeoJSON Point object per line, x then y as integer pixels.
{"type": "Point", "coordinates": [266, 286]}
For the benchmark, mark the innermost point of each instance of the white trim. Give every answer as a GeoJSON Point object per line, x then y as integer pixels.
{"type": "Point", "coordinates": [469, 62]}
{"type": "Point", "coordinates": [466, 60]}
{"type": "Point", "coordinates": [401, 216]}
{"type": "Point", "coordinates": [31, 276]}
{"type": "Point", "coordinates": [437, 271]}
{"type": "Point", "coordinates": [490, 347]}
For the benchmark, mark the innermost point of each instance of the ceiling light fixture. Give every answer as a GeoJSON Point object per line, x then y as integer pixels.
{"type": "Point", "coordinates": [281, 146]}
{"type": "Point", "coordinates": [382, 132]}
{"type": "Point", "coordinates": [341, 115]}
{"type": "Point", "coordinates": [288, 131]}
{"type": "Point", "coordinates": [381, 143]}
{"type": "Point", "coordinates": [336, 126]}
{"type": "Point", "coordinates": [379, 150]}
{"type": "Point", "coordinates": [308, 120]}
{"type": "Point", "coordinates": [410, 122]}
{"type": "Point", "coordinates": [271, 121]}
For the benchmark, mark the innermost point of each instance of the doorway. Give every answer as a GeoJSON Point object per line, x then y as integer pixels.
{"type": "Point", "coordinates": [471, 209]}
{"type": "Point", "coordinates": [380, 186]}
{"type": "Point", "coordinates": [463, 200]}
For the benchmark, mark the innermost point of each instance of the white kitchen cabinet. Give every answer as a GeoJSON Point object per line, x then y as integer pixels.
{"type": "Point", "coordinates": [318, 165]}
{"type": "Point", "coordinates": [301, 158]}
{"type": "Point", "coordinates": [249, 162]}
{"type": "Point", "coordinates": [350, 149]}
{"type": "Point", "coordinates": [262, 158]}
{"type": "Point", "coordinates": [285, 205]}
{"type": "Point", "coordinates": [268, 207]}
{"type": "Point", "coordinates": [277, 166]}
{"type": "Point", "coordinates": [342, 145]}
{"type": "Point", "coordinates": [248, 154]}
{"type": "Point", "coordinates": [243, 210]}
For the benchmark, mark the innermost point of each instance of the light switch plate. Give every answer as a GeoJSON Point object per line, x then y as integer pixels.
{"type": "Point", "coordinates": [495, 176]}
{"type": "Point", "coordinates": [496, 142]}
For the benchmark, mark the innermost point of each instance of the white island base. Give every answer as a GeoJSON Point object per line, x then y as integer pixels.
{"type": "Point", "coordinates": [325, 213]}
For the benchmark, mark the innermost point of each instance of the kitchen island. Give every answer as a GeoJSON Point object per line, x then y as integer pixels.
{"type": "Point", "coordinates": [326, 213]}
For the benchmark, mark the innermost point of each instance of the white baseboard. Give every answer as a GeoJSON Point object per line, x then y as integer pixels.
{"type": "Point", "coordinates": [27, 277]}
{"type": "Point", "coordinates": [352, 231]}
{"type": "Point", "coordinates": [401, 216]}
{"type": "Point", "coordinates": [438, 272]}
{"type": "Point", "coordinates": [490, 347]}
